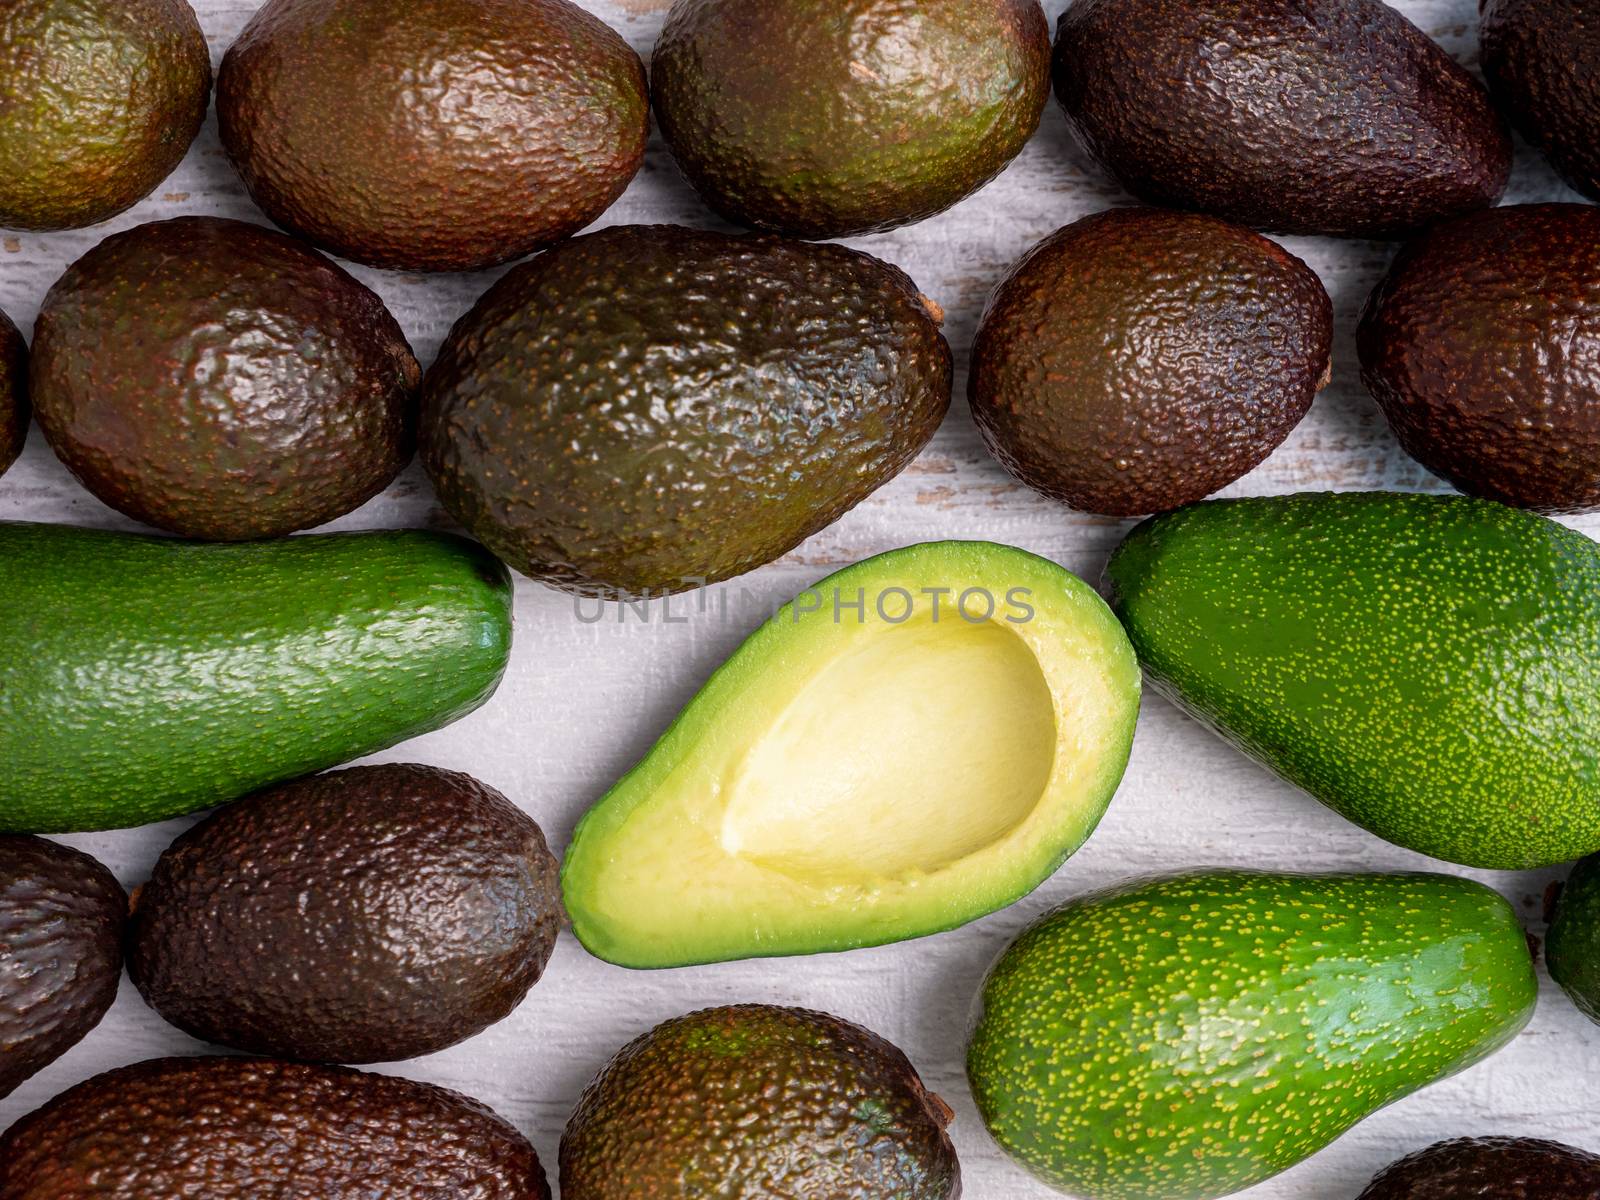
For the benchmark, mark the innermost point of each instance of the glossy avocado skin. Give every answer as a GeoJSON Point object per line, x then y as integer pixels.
{"type": "Point", "coordinates": [1186, 1037]}
{"type": "Point", "coordinates": [756, 1101]}
{"type": "Point", "coordinates": [13, 392]}
{"type": "Point", "coordinates": [1572, 950]}
{"type": "Point", "coordinates": [408, 909]}
{"type": "Point", "coordinates": [142, 678]}
{"type": "Point", "coordinates": [828, 118]}
{"type": "Point", "coordinates": [482, 131]}
{"type": "Point", "coordinates": [1482, 345]}
{"type": "Point", "coordinates": [61, 919]}
{"type": "Point", "coordinates": [1504, 1168]}
{"type": "Point", "coordinates": [242, 1129]}
{"type": "Point", "coordinates": [127, 84]}
{"type": "Point", "coordinates": [1184, 102]}
{"type": "Point", "coordinates": [1141, 359]}
{"type": "Point", "coordinates": [1361, 644]}
{"type": "Point", "coordinates": [651, 408]}
{"type": "Point", "coordinates": [1542, 60]}
{"type": "Point", "coordinates": [222, 381]}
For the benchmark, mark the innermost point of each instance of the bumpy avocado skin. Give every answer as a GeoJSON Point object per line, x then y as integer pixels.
{"type": "Point", "coordinates": [13, 392]}
{"type": "Point", "coordinates": [1186, 1037]}
{"type": "Point", "coordinates": [827, 118]}
{"type": "Point", "coordinates": [407, 908]}
{"type": "Point", "coordinates": [61, 919]}
{"type": "Point", "coordinates": [1542, 59]}
{"type": "Point", "coordinates": [242, 1129]}
{"type": "Point", "coordinates": [1141, 359]}
{"type": "Point", "coordinates": [99, 101]}
{"type": "Point", "coordinates": [1504, 1168]}
{"type": "Point", "coordinates": [1482, 345]}
{"type": "Point", "coordinates": [650, 408]}
{"type": "Point", "coordinates": [1572, 950]}
{"type": "Point", "coordinates": [446, 136]}
{"type": "Point", "coordinates": [1423, 665]}
{"type": "Point", "coordinates": [1334, 117]}
{"type": "Point", "coordinates": [222, 381]}
{"type": "Point", "coordinates": [755, 1101]}
{"type": "Point", "coordinates": [142, 678]}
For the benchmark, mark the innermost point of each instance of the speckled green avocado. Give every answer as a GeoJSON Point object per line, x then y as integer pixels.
{"type": "Point", "coordinates": [1424, 665]}
{"type": "Point", "coordinates": [756, 1101]}
{"type": "Point", "coordinates": [826, 118]}
{"type": "Point", "coordinates": [1187, 1037]}
{"type": "Point", "coordinates": [99, 101]}
{"type": "Point", "coordinates": [13, 392]}
{"type": "Point", "coordinates": [1572, 950]}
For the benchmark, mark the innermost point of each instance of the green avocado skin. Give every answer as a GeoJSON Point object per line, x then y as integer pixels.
{"type": "Point", "coordinates": [1190, 1036]}
{"type": "Point", "coordinates": [1424, 665]}
{"type": "Point", "coordinates": [1572, 950]}
{"type": "Point", "coordinates": [13, 392]}
{"type": "Point", "coordinates": [142, 678]}
{"type": "Point", "coordinates": [1504, 1168]}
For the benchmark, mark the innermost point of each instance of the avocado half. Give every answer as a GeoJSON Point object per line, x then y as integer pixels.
{"type": "Point", "coordinates": [914, 742]}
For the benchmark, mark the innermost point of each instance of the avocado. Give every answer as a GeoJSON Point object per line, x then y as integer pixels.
{"type": "Point", "coordinates": [829, 118]}
{"type": "Point", "coordinates": [752, 1102]}
{"type": "Point", "coordinates": [1334, 117]}
{"type": "Point", "coordinates": [1423, 665]}
{"type": "Point", "coordinates": [1572, 950]}
{"type": "Point", "coordinates": [1482, 345]}
{"type": "Point", "coordinates": [1141, 359]}
{"type": "Point", "coordinates": [61, 918]}
{"type": "Point", "coordinates": [221, 381]}
{"type": "Point", "coordinates": [407, 908]}
{"type": "Point", "coordinates": [99, 101]}
{"type": "Point", "coordinates": [650, 409]}
{"type": "Point", "coordinates": [468, 132]}
{"type": "Point", "coordinates": [142, 678]}
{"type": "Point", "coordinates": [910, 744]}
{"type": "Point", "coordinates": [1479, 1168]}
{"type": "Point", "coordinates": [1185, 1037]}
{"type": "Point", "coordinates": [1542, 60]}
{"type": "Point", "coordinates": [13, 392]}
{"type": "Point", "coordinates": [247, 1129]}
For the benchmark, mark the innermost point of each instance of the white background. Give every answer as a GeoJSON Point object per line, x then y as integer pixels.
{"type": "Point", "coordinates": [582, 701]}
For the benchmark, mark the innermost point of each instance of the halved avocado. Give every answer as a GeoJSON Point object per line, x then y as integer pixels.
{"type": "Point", "coordinates": [914, 742]}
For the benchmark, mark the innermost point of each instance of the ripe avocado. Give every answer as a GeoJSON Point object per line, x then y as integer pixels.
{"type": "Point", "coordinates": [1542, 59]}
{"type": "Point", "coordinates": [1480, 1168]}
{"type": "Point", "coordinates": [221, 381]}
{"type": "Point", "coordinates": [99, 101]}
{"type": "Point", "coordinates": [912, 743]}
{"type": "Point", "coordinates": [444, 136]}
{"type": "Point", "coordinates": [651, 408]}
{"type": "Point", "coordinates": [1335, 117]}
{"type": "Point", "coordinates": [13, 392]}
{"type": "Point", "coordinates": [828, 118]}
{"type": "Point", "coordinates": [1186, 1037]}
{"type": "Point", "coordinates": [247, 1129]}
{"type": "Point", "coordinates": [1482, 345]}
{"type": "Point", "coordinates": [142, 678]}
{"type": "Point", "coordinates": [756, 1101]}
{"type": "Point", "coordinates": [407, 908]}
{"type": "Point", "coordinates": [1141, 359]}
{"type": "Point", "coordinates": [1572, 951]}
{"type": "Point", "coordinates": [61, 917]}
{"type": "Point", "coordinates": [1424, 665]}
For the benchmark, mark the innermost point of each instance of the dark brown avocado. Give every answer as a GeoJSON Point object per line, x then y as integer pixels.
{"type": "Point", "coordinates": [13, 392]}
{"type": "Point", "coordinates": [248, 1129]}
{"type": "Point", "coordinates": [1482, 345]}
{"type": "Point", "coordinates": [405, 909]}
{"type": "Point", "coordinates": [1141, 359]}
{"type": "Point", "coordinates": [61, 918]}
{"type": "Point", "coordinates": [1495, 1168]}
{"type": "Point", "coordinates": [222, 381]}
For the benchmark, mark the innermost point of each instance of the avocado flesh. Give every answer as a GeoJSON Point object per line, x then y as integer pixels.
{"type": "Point", "coordinates": [849, 783]}
{"type": "Point", "coordinates": [13, 392]}
{"type": "Point", "coordinates": [1572, 950]}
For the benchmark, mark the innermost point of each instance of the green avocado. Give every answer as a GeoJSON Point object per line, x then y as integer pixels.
{"type": "Point", "coordinates": [99, 101]}
{"type": "Point", "coordinates": [828, 118]}
{"type": "Point", "coordinates": [142, 678]}
{"type": "Point", "coordinates": [910, 744]}
{"type": "Point", "coordinates": [756, 1101]}
{"type": "Point", "coordinates": [13, 392]}
{"type": "Point", "coordinates": [444, 136]}
{"type": "Point", "coordinates": [1424, 665]}
{"type": "Point", "coordinates": [247, 1129]}
{"type": "Point", "coordinates": [1482, 1168]}
{"type": "Point", "coordinates": [1572, 950]}
{"type": "Point", "coordinates": [1187, 1037]}
{"type": "Point", "coordinates": [650, 409]}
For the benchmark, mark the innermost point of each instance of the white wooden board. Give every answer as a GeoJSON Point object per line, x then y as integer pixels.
{"type": "Point", "coordinates": [583, 700]}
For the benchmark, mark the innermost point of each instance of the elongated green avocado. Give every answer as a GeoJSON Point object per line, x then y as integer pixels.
{"type": "Point", "coordinates": [142, 678]}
